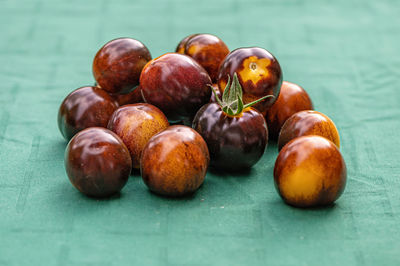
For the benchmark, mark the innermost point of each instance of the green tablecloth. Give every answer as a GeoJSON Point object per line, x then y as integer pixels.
{"type": "Point", "coordinates": [344, 53]}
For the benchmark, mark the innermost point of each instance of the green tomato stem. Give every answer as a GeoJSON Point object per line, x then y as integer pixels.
{"type": "Point", "coordinates": [232, 97]}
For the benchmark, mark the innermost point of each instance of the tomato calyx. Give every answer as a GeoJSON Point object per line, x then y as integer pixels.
{"type": "Point", "coordinates": [232, 98]}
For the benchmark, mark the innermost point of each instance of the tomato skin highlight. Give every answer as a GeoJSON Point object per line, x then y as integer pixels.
{"type": "Point", "coordinates": [309, 172]}
{"type": "Point", "coordinates": [208, 50]}
{"type": "Point", "coordinates": [135, 124]}
{"type": "Point", "coordinates": [176, 84]}
{"type": "Point", "coordinates": [306, 123]}
{"type": "Point", "coordinates": [83, 108]}
{"type": "Point", "coordinates": [97, 162]}
{"type": "Point", "coordinates": [174, 162]}
{"type": "Point", "coordinates": [234, 142]}
{"type": "Point", "coordinates": [118, 64]}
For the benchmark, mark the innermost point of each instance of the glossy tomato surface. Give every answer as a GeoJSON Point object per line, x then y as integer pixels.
{"type": "Point", "coordinates": [234, 142]}
{"type": "Point", "coordinates": [259, 74]}
{"type": "Point", "coordinates": [308, 123]}
{"type": "Point", "coordinates": [182, 44]}
{"type": "Point", "coordinates": [309, 172]}
{"type": "Point", "coordinates": [175, 161]}
{"type": "Point", "coordinates": [135, 124]}
{"type": "Point", "coordinates": [118, 64]}
{"type": "Point", "coordinates": [85, 107]}
{"type": "Point", "coordinates": [208, 50]}
{"type": "Point", "coordinates": [97, 162]}
{"type": "Point", "coordinates": [292, 99]}
{"type": "Point", "coordinates": [176, 84]}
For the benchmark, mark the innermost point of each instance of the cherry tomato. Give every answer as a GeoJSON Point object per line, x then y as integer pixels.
{"type": "Point", "coordinates": [135, 124]}
{"type": "Point", "coordinates": [118, 64]}
{"type": "Point", "coordinates": [176, 84]}
{"type": "Point", "coordinates": [308, 123]}
{"type": "Point", "coordinates": [85, 107]}
{"type": "Point", "coordinates": [259, 74]}
{"type": "Point", "coordinates": [234, 142]}
{"type": "Point", "coordinates": [310, 171]}
{"type": "Point", "coordinates": [175, 161]}
{"type": "Point", "coordinates": [208, 50]}
{"type": "Point", "coordinates": [97, 162]}
{"type": "Point", "coordinates": [291, 100]}
{"type": "Point", "coordinates": [236, 134]}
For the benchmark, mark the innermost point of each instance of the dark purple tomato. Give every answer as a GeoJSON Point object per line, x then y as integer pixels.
{"type": "Point", "coordinates": [176, 84]}
{"type": "Point", "coordinates": [118, 64]}
{"type": "Point", "coordinates": [234, 142]}
{"type": "Point", "coordinates": [97, 162]}
{"type": "Point", "coordinates": [85, 107]}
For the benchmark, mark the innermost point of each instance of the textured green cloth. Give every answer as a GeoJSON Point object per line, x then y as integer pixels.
{"type": "Point", "coordinates": [344, 53]}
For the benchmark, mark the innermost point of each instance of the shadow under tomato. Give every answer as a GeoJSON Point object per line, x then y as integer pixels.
{"type": "Point", "coordinates": [112, 197]}
{"type": "Point", "coordinates": [330, 206]}
{"type": "Point", "coordinates": [322, 208]}
{"type": "Point", "coordinates": [135, 172]}
{"type": "Point", "coordinates": [185, 197]}
{"type": "Point", "coordinates": [243, 173]}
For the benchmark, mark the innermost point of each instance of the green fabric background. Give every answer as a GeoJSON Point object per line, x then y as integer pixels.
{"type": "Point", "coordinates": [344, 53]}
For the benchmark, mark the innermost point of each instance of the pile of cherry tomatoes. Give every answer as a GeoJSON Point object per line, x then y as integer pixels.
{"type": "Point", "coordinates": [175, 115]}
